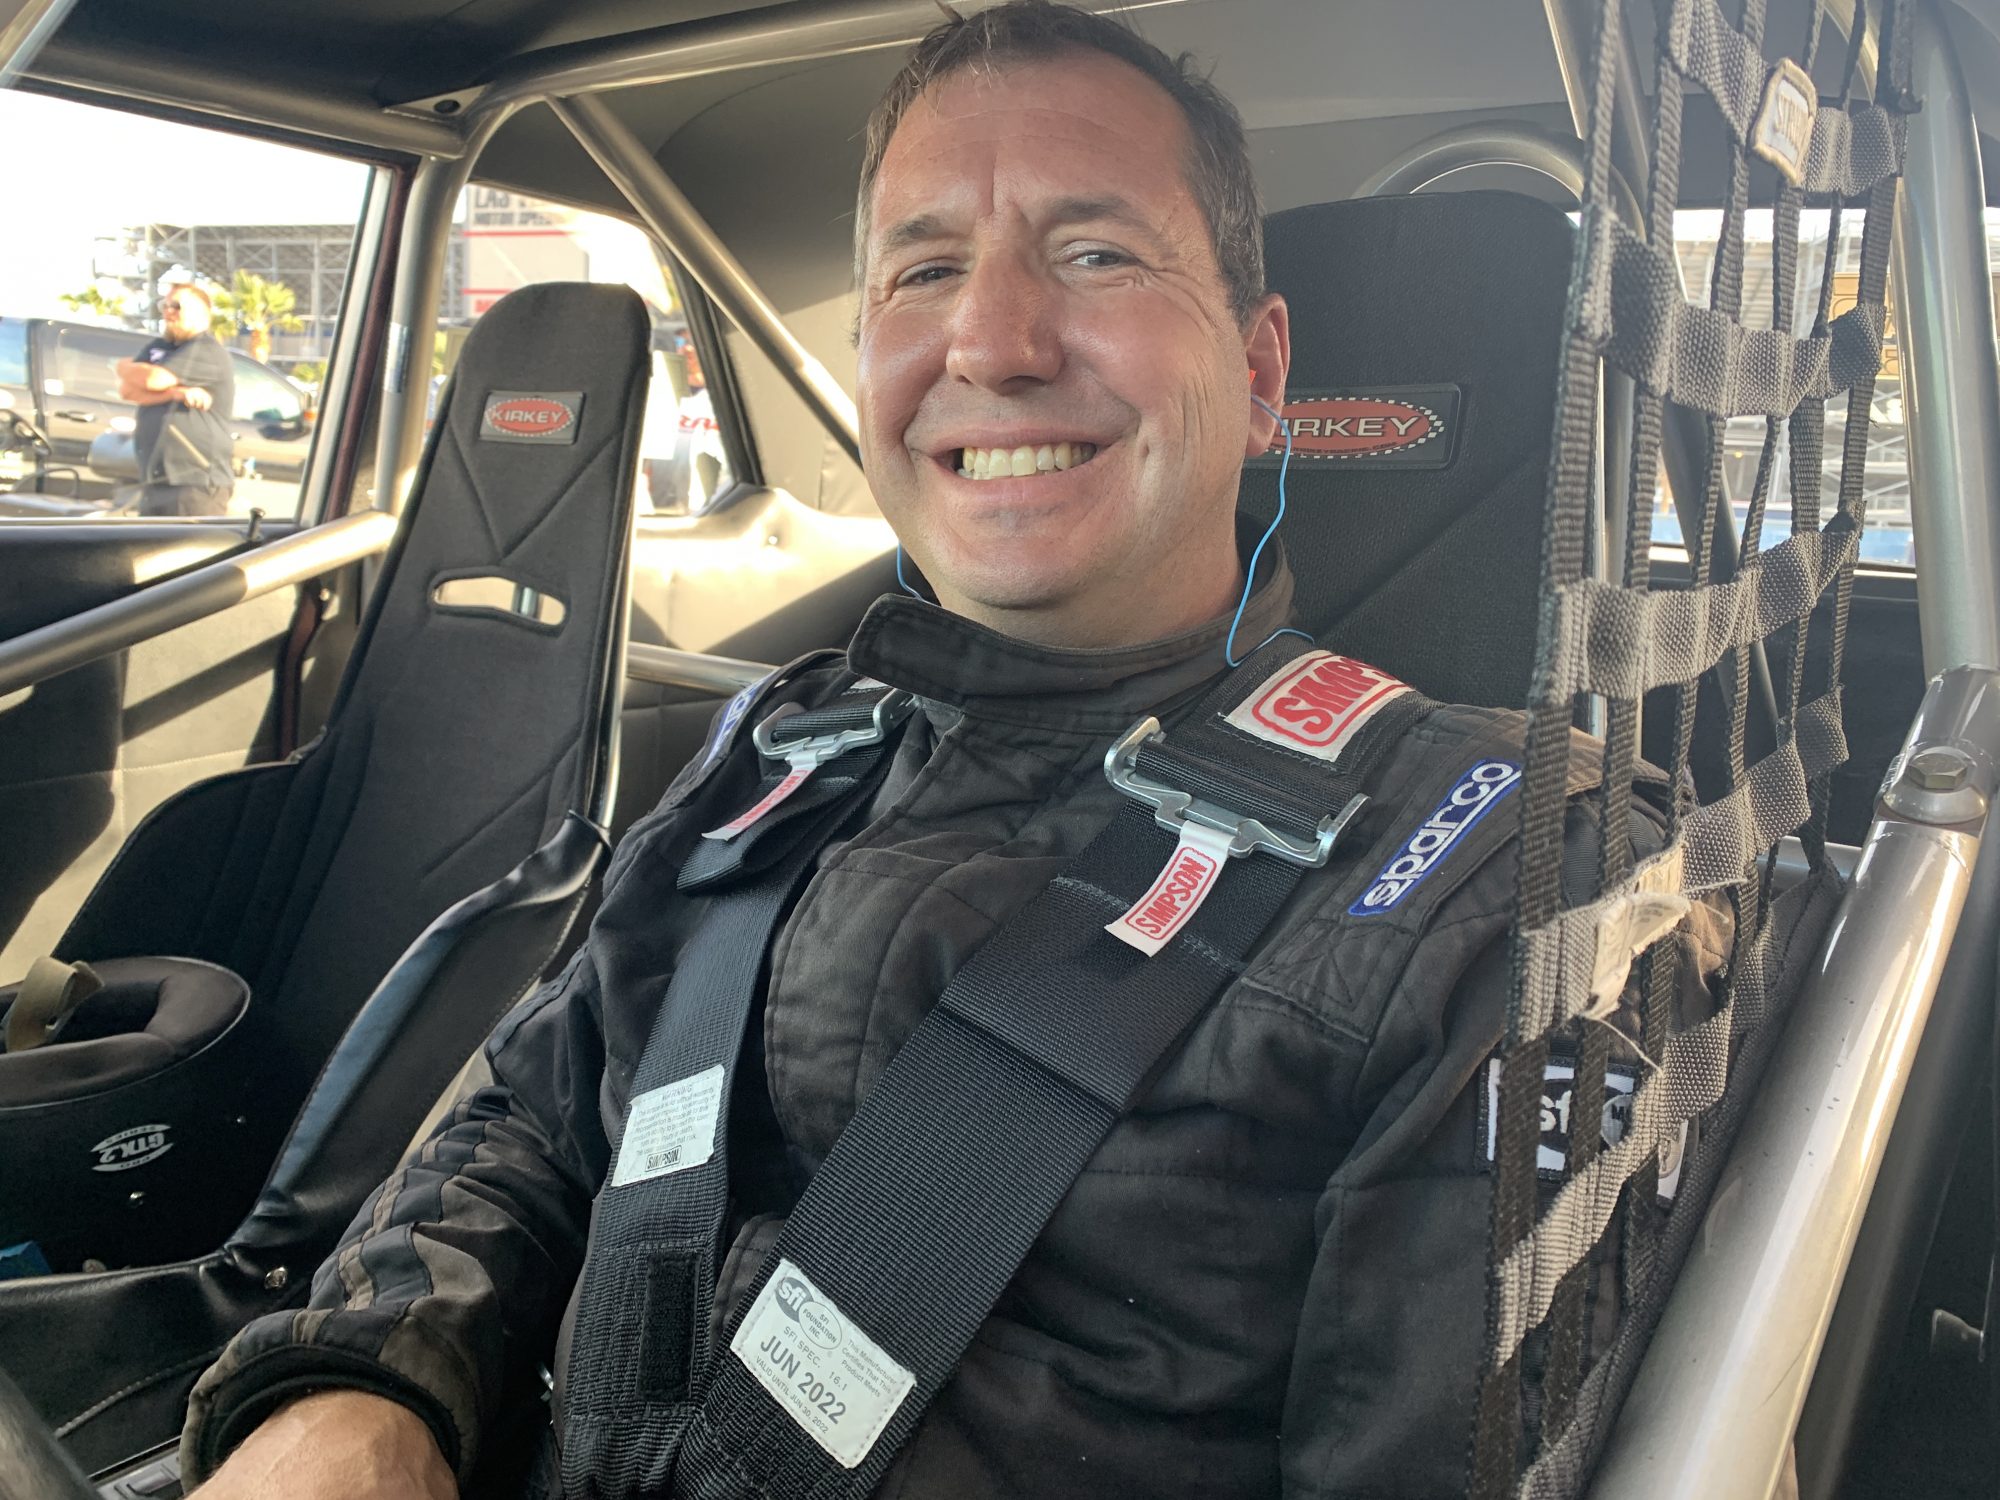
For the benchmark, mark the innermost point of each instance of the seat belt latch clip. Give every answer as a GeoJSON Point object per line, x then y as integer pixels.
{"type": "Point", "coordinates": [1209, 836]}
{"type": "Point", "coordinates": [808, 753]}
{"type": "Point", "coordinates": [1174, 809]}
{"type": "Point", "coordinates": [813, 751]}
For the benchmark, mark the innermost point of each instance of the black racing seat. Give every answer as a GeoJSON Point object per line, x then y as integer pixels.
{"type": "Point", "coordinates": [1426, 332]}
{"type": "Point", "coordinates": [463, 771]}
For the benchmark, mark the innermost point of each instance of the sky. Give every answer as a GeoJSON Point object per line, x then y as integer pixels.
{"type": "Point", "coordinates": [75, 172]}
{"type": "Point", "coordinates": [141, 171]}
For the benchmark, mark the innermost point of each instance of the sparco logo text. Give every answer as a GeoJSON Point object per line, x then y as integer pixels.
{"type": "Point", "coordinates": [1476, 794]}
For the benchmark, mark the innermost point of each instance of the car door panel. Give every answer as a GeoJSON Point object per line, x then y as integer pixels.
{"type": "Point", "coordinates": [85, 755]}
{"type": "Point", "coordinates": [79, 386]}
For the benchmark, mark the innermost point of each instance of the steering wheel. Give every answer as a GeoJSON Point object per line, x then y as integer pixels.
{"type": "Point", "coordinates": [25, 433]}
{"type": "Point", "coordinates": [33, 1465]}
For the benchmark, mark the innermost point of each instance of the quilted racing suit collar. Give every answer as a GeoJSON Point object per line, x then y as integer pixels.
{"type": "Point", "coordinates": [950, 661]}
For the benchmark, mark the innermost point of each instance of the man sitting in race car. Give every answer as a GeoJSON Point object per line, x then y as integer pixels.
{"type": "Point", "coordinates": [1269, 1275]}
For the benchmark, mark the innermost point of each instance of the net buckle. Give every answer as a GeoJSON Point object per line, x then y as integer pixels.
{"type": "Point", "coordinates": [813, 751]}
{"type": "Point", "coordinates": [1173, 808]}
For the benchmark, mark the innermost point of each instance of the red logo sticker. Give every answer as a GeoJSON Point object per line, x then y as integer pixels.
{"type": "Point", "coordinates": [1173, 899]}
{"type": "Point", "coordinates": [1317, 704]}
{"type": "Point", "coordinates": [794, 779]}
{"type": "Point", "coordinates": [530, 417]}
{"type": "Point", "coordinates": [1356, 427]}
{"type": "Point", "coordinates": [1167, 904]}
{"type": "Point", "coordinates": [525, 415]}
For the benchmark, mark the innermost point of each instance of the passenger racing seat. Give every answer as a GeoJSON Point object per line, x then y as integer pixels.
{"type": "Point", "coordinates": [464, 770]}
{"type": "Point", "coordinates": [1425, 337]}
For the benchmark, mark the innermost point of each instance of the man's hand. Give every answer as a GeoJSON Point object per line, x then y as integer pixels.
{"type": "Point", "coordinates": [196, 398]}
{"type": "Point", "coordinates": [336, 1445]}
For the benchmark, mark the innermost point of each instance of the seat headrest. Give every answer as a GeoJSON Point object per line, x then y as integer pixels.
{"type": "Point", "coordinates": [1426, 335]}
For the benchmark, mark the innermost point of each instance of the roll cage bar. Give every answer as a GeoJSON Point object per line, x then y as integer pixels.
{"type": "Point", "coordinates": [1720, 1394]}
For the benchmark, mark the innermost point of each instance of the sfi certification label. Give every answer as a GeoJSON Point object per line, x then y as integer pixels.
{"type": "Point", "coordinates": [829, 1376]}
{"type": "Point", "coordinates": [670, 1128]}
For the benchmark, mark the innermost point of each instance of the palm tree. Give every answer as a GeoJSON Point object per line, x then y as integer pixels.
{"type": "Point", "coordinates": [255, 306]}
{"type": "Point", "coordinates": [93, 301]}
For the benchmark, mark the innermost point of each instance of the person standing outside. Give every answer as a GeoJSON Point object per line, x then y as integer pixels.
{"type": "Point", "coordinates": [184, 386]}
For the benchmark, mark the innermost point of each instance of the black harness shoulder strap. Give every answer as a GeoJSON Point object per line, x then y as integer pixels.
{"type": "Point", "coordinates": [938, 1187]}
{"type": "Point", "coordinates": [650, 1279]}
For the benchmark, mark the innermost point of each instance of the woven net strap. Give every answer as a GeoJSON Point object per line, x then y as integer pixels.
{"type": "Point", "coordinates": [1847, 151]}
{"type": "Point", "coordinates": [1690, 1078]}
{"type": "Point", "coordinates": [1623, 642]}
{"type": "Point", "coordinates": [1577, 964]}
{"type": "Point", "coordinates": [1634, 308]}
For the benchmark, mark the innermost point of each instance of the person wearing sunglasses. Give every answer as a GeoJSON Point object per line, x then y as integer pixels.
{"type": "Point", "coordinates": [184, 387]}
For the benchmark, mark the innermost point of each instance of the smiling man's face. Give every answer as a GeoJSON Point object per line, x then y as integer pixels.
{"type": "Point", "coordinates": [1055, 394]}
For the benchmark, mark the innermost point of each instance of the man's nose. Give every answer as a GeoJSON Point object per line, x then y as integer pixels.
{"type": "Point", "coordinates": [1005, 331]}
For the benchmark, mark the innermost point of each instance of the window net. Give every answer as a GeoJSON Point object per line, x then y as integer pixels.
{"type": "Point", "coordinates": [1603, 1236]}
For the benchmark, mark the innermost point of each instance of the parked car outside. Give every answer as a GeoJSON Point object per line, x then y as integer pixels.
{"type": "Point", "coordinates": [62, 377]}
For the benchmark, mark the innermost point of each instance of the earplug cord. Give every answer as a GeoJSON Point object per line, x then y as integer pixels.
{"type": "Point", "coordinates": [900, 579]}
{"type": "Point", "coordinates": [1250, 574]}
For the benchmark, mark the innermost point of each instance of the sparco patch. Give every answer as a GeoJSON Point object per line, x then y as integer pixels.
{"type": "Point", "coordinates": [1478, 792]}
{"type": "Point", "coordinates": [1316, 703]}
{"type": "Point", "coordinates": [531, 417]}
{"type": "Point", "coordinates": [1388, 427]}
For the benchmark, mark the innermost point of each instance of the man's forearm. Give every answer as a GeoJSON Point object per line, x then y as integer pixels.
{"type": "Point", "coordinates": [337, 1445]}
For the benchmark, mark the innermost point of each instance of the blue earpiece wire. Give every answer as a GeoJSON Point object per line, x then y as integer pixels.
{"type": "Point", "coordinates": [900, 579]}
{"type": "Point", "coordinates": [1250, 574]}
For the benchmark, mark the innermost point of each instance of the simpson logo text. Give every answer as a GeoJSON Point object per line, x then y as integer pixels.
{"type": "Point", "coordinates": [1316, 703]}
{"type": "Point", "coordinates": [1173, 899]}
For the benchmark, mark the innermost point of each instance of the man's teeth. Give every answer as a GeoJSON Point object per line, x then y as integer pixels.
{"type": "Point", "coordinates": [1010, 463]}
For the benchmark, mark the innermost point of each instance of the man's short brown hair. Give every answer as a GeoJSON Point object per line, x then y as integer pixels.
{"type": "Point", "coordinates": [1218, 166]}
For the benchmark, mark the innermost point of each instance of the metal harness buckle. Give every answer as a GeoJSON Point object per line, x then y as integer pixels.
{"type": "Point", "coordinates": [814, 751]}
{"type": "Point", "coordinates": [1172, 807]}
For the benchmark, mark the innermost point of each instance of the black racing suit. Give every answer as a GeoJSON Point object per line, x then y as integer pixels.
{"type": "Point", "coordinates": [187, 457]}
{"type": "Point", "coordinates": [1270, 1279]}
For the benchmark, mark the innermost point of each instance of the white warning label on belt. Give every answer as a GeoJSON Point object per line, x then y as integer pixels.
{"type": "Point", "coordinates": [829, 1376]}
{"type": "Point", "coordinates": [1172, 900]}
{"type": "Point", "coordinates": [670, 1128]}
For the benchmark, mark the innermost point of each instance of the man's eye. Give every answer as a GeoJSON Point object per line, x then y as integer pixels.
{"type": "Point", "coordinates": [1096, 260]}
{"type": "Point", "coordinates": [924, 275]}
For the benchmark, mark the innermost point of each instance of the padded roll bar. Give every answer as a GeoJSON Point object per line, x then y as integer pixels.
{"type": "Point", "coordinates": [1719, 1393]}
{"type": "Point", "coordinates": [691, 669]}
{"type": "Point", "coordinates": [202, 591]}
{"type": "Point", "coordinates": [668, 213]}
{"type": "Point", "coordinates": [24, 26]}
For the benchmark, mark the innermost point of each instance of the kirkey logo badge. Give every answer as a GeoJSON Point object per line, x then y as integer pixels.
{"type": "Point", "coordinates": [1478, 792]}
{"type": "Point", "coordinates": [530, 416]}
{"type": "Point", "coordinates": [1403, 427]}
{"type": "Point", "coordinates": [1316, 703]}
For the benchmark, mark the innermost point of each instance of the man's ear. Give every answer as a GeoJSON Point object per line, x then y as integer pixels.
{"type": "Point", "coordinates": [1267, 348]}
